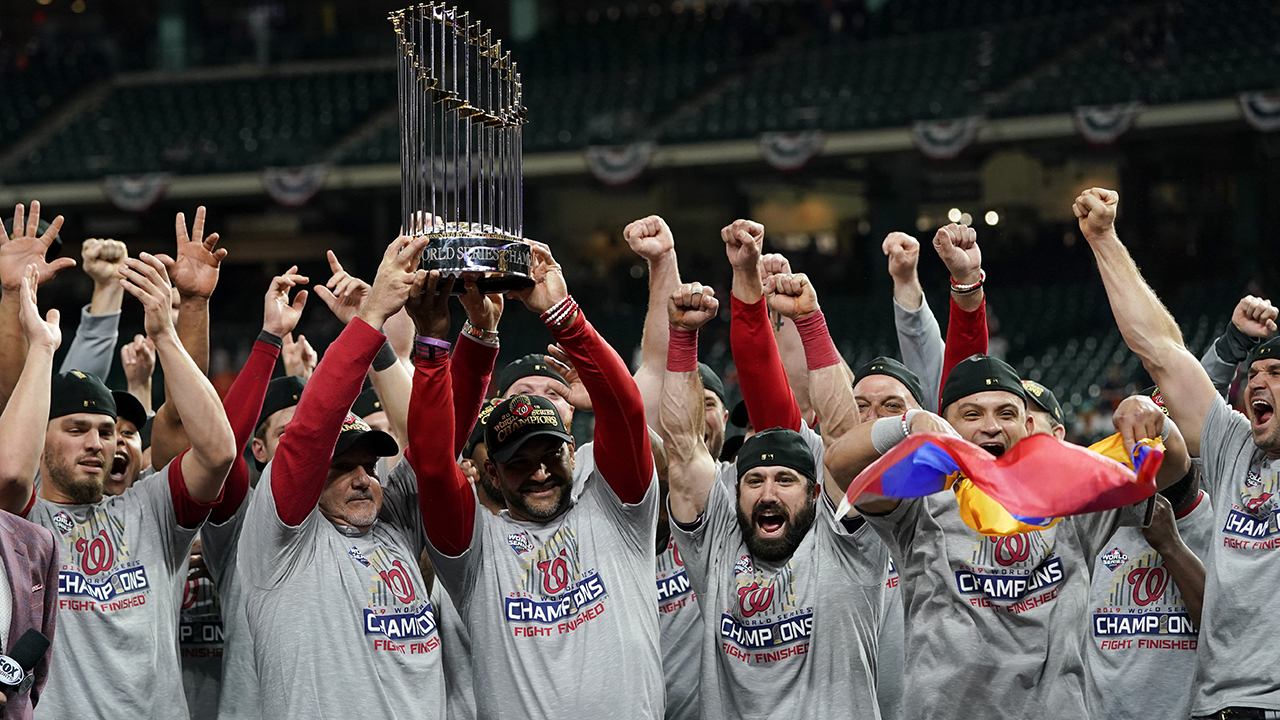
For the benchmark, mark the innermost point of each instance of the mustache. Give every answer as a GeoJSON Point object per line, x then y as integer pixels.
{"type": "Point", "coordinates": [360, 495]}
{"type": "Point", "coordinates": [771, 508]}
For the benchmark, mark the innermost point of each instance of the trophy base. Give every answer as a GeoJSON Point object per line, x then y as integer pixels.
{"type": "Point", "coordinates": [494, 263]}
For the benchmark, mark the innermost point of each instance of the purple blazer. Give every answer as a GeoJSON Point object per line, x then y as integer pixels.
{"type": "Point", "coordinates": [31, 561]}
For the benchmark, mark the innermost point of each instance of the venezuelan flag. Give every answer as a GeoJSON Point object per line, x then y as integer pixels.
{"type": "Point", "coordinates": [1037, 482]}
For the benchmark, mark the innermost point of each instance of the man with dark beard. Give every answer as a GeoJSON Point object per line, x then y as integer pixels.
{"type": "Point", "coordinates": [116, 653]}
{"type": "Point", "coordinates": [557, 589]}
{"type": "Point", "coordinates": [791, 595]}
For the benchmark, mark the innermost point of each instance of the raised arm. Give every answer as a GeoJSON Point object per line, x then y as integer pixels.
{"type": "Point", "coordinates": [691, 471]}
{"type": "Point", "coordinates": [138, 358]}
{"type": "Point", "coordinates": [302, 459]}
{"type": "Point", "coordinates": [622, 449]}
{"type": "Point", "coordinates": [957, 246]}
{"type": "Point", "coordinates": [194, 273]}
{"type": "Point", "coordinates": [95, 340]}
{"type": "Point", "coordinates": [787, 337]}
{"type": "Point", "coordinates": [243, 402]}
{"type": "Point", "coordinates": [1252, 321]}
{"type": "Point", "coordinates": [24, 437]}
{"type": "Point", "coordinates": [651, 239]}
{"type": "Point", "coordinates": [445, 497]}
{"type": "Point", "coordinates": [213, 446]}
{"type": "Point", "coordinates": [770, 402]}
{"type": "Point", "coordinates": [473, 359]}
{"type": "Point", "coordinates": [919, 337]}
{"type": "Point", "coordinates": [26, 247]}
{"type": "Point", "coordinates": [1147, 327]}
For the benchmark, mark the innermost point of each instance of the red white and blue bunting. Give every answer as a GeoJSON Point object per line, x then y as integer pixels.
{"type": "Point", "coordinates": [790, 151]}
{"type": "Point", "coordinates": [136, 193]}
{"type": "Point", "coordinates": [1261, 109]}
{"type": "Point", "coordinates": [294, 187]}
{"type": "Point", "coordinates": [945, 139]}
{"type": "Point", "coordinates": [1104, 124]}
{"type": "Point", "coordinates": [619, 164]}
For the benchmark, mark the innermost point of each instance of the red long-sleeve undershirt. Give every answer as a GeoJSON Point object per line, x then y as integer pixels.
{"type": "Point", "coordinates": [966, 335]}
{"type": "Point", "coordinates": [469, 373]}
{"type": "Point", "coordinates": [302, 459]}
{"type": "Point", "coordinates": [243, 404]}
{"type": "Point", "coordinates": [445, 497]}
{"type": "Point", "coordinates": [765, 390]}
{"type": "Point", "coordinates": [622, 451]}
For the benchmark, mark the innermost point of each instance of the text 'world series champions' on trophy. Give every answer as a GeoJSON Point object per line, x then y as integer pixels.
{"type": "Point", "coordinates": [461, 164]}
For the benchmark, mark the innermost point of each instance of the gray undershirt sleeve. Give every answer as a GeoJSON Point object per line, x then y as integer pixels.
{"type": "Point", "coordinates": [920, 340]}
{"type": "Point", "coordinates": [1220, 371]}
{"type": "Point", "coordinates": [94, 344]}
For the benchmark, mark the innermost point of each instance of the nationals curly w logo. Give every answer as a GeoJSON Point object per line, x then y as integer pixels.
{"type": "Point", "coordinates": [555, 574]}
{"type": "Point", "coordinates": [754, 598]}
{"type": "Point", "coordinates": [1012, 549]}
{"type": "Point", "coordinates": [97, 555]}
{"type": "Point", "coordinates": [1148, 584]}
{"type": "Point", "coordinates": [400, 582]}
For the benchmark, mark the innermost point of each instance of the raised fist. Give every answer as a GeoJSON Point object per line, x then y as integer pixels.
{"type": "Point", "coordinates": [904, 256]}
{"type": "Point", "coordinates": [957, 245]}
{"type": "Point", "coordinates": [743, 241]}
{"type": "Point", "coordinates": [103, 259]}
{"type": "Point", "coordinates": [1255, 317]}
{"type": "Point", "coordinates": [1096, 211]}
{"type": "Point", "coordinates": [1137, 418]}
{"type": "Point", "coordinates": [791, 295]}
{"type": "Point", "coordinates": [774, 264]}
{"type": "Point", "coordinates": [649, 237]}
{"type": "Point", "coordinates": [691, 306]}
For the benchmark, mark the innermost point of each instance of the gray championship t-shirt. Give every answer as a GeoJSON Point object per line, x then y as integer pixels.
{"type": "Point", "coordinates": [563, 615]}
{"type": "Point", "coordinates": [460, 696]}
{"type": "Point", "coordinates": [238, 687]}
{"type": "Point", "coordinates": [120, 586]}
{"type": "Point", "coordinates": [341, 620]}
{"type": "Point", "coordinates": [680, 625]}
{"type": "Point", "coordinates": [1238, 658]}
{"type": "Point", "coordinates": [889, 650]}
{"type": "Point", "coordinates": [995, 626]}
{"type": "Point", "coordinates": [1142, 649]}
{"type": "Point", "coordinates": [795, 639]}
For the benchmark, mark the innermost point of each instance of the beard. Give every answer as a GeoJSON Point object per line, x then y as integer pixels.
{"type": "Point", "coordinates": [81, 490]}
{"type": "Point", "coordinates": [542, 511]}
{"type": "Point", "coordinates": [779, 548]}
{"type": "Point", "coordinates": [361, 516]}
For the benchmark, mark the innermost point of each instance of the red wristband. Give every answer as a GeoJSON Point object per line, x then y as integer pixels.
{"type": "Point", "coordinates": [819, 350]}
{"type": "Point", "coordinates": [682, 351]}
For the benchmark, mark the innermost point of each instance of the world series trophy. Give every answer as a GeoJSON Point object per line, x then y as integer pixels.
{"type": "Point", "coordinates": [461, 165]}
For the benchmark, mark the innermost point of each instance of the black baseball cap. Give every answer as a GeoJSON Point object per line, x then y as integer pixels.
{"type": "Point", "coordinates": [129, 408]}
{"type": "Point", "coordinates": [1263, 351]}
{"type": "Point", "coordinates": [738, 416]}
{"type": "Point", "coordinates": [354, 429]}
{"type": "Point", "coordinates": [980, 373]}
{"type": "Point", "coordinates": [532, 364]}
{"type": "Point", "coordinates": [711, 381]}
{"type": "Point", "coordinates": [1044, 398]}
{"type": "Point", "coordinates": [74, 392]}
{"type": "Point", "coordinates": [517, 419]}
{"type": "Point", "coordinates": [896, 370]}
{"type": "Point", "coordinates": [777, 446]}
{"type": "Point", "coordinates": [283, 392]}
{"type": "Point", "coordinates": [367, 404]}
{"type": "Point", "coordinates": [477, 432]}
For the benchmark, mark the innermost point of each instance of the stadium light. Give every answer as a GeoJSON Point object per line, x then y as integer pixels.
{"type": "Point", "coordinates": [953, 214]}
{"type": "Point", "coordinates": [77, 6]}
{"type": "Point", "coordinates": [992, 217]}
